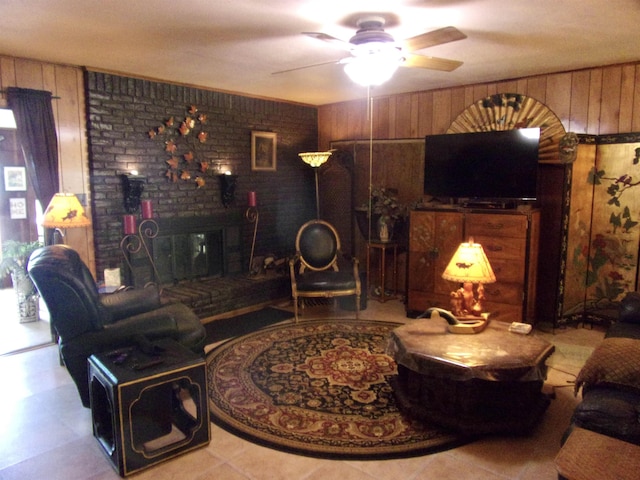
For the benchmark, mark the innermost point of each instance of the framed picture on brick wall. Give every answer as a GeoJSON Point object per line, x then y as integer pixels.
{"type": "Point", "coordinates": [263, 151]}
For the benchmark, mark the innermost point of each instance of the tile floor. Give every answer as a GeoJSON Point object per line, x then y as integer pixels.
{"type": "Point", "coordinates": [46, 433]}
{"type": "Point", "coordinates": [15, 336]}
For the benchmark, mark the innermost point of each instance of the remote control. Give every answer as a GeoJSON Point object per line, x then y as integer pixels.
{"type": "Point", "coordinates": [522, 328]}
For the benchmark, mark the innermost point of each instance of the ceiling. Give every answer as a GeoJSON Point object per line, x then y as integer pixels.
{"type": "Point", "coordinates": [237, 45]}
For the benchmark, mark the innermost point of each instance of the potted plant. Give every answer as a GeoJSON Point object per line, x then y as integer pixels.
{"type": "Point", "coordinates": [15, 256]}
{"type": "Point", "coordinates": [388, 215]}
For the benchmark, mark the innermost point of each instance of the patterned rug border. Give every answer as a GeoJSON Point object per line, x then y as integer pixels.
{"type": "Point", "coordinates": [301, 446]}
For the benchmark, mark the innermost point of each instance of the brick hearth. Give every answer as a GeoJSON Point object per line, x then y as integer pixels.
{"type": "Point", "coordinates": [213, 296]}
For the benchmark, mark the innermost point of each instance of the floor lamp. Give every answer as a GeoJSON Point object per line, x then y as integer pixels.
{"type": "Point", "coordinates": [315, 159]}
{"type": "Point", "coordinates": [64, 211]}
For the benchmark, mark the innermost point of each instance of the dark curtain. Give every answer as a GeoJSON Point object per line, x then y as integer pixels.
{"type": "Point", "coordinates": [37, 137]}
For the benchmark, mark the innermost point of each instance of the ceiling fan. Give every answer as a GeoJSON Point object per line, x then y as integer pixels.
{"type": "Point", "coordinates": [372, 47]}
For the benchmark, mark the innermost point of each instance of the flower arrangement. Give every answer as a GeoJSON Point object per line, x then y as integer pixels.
{"type": "Point", "coordinates": [384, 201]}
{"type": "Point", "coordinates": [385, 209]}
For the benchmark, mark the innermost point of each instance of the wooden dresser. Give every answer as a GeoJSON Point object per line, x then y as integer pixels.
{"type": "Point", "coordinates": [510, 239]}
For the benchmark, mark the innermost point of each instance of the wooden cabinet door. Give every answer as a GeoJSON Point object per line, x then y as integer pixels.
{"type": "Point", "coordinates": [433, 239]}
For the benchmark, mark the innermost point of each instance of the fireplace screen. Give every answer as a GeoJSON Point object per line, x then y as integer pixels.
{"type": "Point", "coordinates": [180, 257]}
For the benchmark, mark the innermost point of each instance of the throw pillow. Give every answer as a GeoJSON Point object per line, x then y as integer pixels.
{"type": "Point", "coordinates": [615, 362]}
{"type": "Point", "coordinates": [630, 308]}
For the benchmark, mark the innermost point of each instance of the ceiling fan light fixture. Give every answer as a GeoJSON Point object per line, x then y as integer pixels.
{"type": "Point", "coordinates": [373, 63]}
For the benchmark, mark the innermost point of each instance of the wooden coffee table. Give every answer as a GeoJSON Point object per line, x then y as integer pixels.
{"type": "Point", "coordinates": [490, 382]}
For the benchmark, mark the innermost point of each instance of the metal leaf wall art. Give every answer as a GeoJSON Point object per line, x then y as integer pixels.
{"type": "Point", "coordinates": [183, 141]}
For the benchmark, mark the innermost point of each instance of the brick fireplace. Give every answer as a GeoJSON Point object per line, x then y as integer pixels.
{"type": "Point", "coordinates": [198, 235]}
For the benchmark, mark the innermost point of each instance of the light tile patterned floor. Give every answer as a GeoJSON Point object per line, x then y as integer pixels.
{"type": "Point", "coordinates": [16, 336]}
{"type": "Point", "coordinates": [46, 433]}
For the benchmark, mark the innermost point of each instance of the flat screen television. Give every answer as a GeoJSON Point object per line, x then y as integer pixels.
{"type": "Point", "coordinates": [494, 166]}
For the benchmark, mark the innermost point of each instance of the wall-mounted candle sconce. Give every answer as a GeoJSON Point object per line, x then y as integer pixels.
{"type": "Point", "coordinates": [132, 188]}
{"type": "Point", "coordinates": [224, 171]}
{"type": "Point", "coordinates": [227, 188]}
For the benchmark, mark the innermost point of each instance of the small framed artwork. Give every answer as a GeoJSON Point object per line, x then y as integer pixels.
{"type": "Point", "coordinates": [18, 208]}
{"type": "Point", "coordinates": [263, 151]}
{"type": "Point", "coordinates": [15, 179]}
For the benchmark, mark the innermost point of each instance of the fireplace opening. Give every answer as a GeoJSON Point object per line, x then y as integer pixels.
{"type": "Point", "coordinates": [187, 249]}
{"type": "Point", "coordinates": [188, 256]}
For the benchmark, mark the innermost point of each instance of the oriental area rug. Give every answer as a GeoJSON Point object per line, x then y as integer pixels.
{"type": "Point", "coordinates": [317, 388]}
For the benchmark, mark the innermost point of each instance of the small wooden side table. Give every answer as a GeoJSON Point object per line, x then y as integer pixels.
{"type": "Point", "coordinates": [148, 407]}
{"type": "Point", "coordinates": [588, 455]}
{"type": "Point", "coordinates": [383, 247]}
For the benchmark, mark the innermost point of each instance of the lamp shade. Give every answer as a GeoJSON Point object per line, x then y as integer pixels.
{"type": "Point", "coordinates": [373, 63]}
{"type": "Point", "coordinates": [314, 159]}
{"type": "Point", "coordinates": [65, 211]}
{"type": "Point", "coordinates": [469, 265]}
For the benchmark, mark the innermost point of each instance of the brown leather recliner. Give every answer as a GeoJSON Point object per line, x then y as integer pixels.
{"type": "Point", "coordinates": [88, 322]}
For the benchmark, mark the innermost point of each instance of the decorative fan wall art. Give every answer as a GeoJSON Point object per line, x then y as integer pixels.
{"type": "Point", "coordinates": [507, 111]}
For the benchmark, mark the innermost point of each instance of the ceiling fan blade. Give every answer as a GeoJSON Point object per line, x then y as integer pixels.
{"type": "Point", "coordinates": [329, 39]}
{"type": "Point", "coordinates": [431, 39]}
{"type": "Point", "coordinates": [306, 66]}
{"type": "Point", "coordinates": [432, 63]}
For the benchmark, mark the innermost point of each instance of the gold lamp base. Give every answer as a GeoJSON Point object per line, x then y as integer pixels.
{"type": "Point", "coordinates": [459, 325]}
{"type": "Point", "coordinates": [470, 325]}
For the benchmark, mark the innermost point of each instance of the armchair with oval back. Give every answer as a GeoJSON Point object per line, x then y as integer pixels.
{"type": "Point", "coordinates": [315, 271]}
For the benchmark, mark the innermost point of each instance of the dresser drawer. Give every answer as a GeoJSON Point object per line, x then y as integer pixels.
{"type": "Point", "coordinates": [503, 292]}
{"type": "Point", "coordinates": [507, 270]}
{"type": "Point", "coordinates": [513, 226]}
{"type": "Point", "coordinates": [502, 248]}
{"type": "Point", "coordinates": [503, 312]}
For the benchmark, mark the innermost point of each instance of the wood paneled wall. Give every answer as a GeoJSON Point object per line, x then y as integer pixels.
{"type": "Point", "coordinates": [594, 101]}
{"type": "Point", "coordinates": [597, 101]}
{"type": "Point", "coordinates": [66, 84]}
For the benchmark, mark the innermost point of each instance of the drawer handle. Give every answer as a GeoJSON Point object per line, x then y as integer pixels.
{"type": "Point", "coordinates": [494, 248]}
{"type": "Point", "coordinates": [494, 226]}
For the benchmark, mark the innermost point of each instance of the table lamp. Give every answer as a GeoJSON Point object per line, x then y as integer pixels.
{"type": "Point", "coordinates": [65, 211]}
{"type": "Point", "coordinates": [469, 266]}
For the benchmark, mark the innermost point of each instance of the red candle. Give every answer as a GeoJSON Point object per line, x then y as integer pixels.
{"type": "Point", "coordinates": [147, 209]}
{"type": "Point", "coordinates": [252, 199]}
{"type": "Point", "coordinates": [129, 224]}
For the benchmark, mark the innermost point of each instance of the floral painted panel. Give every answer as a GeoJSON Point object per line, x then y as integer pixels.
{"type": "Point", "coordinates": [613, 254]}
{"type": "Point", "coordinates": [578, 231]}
